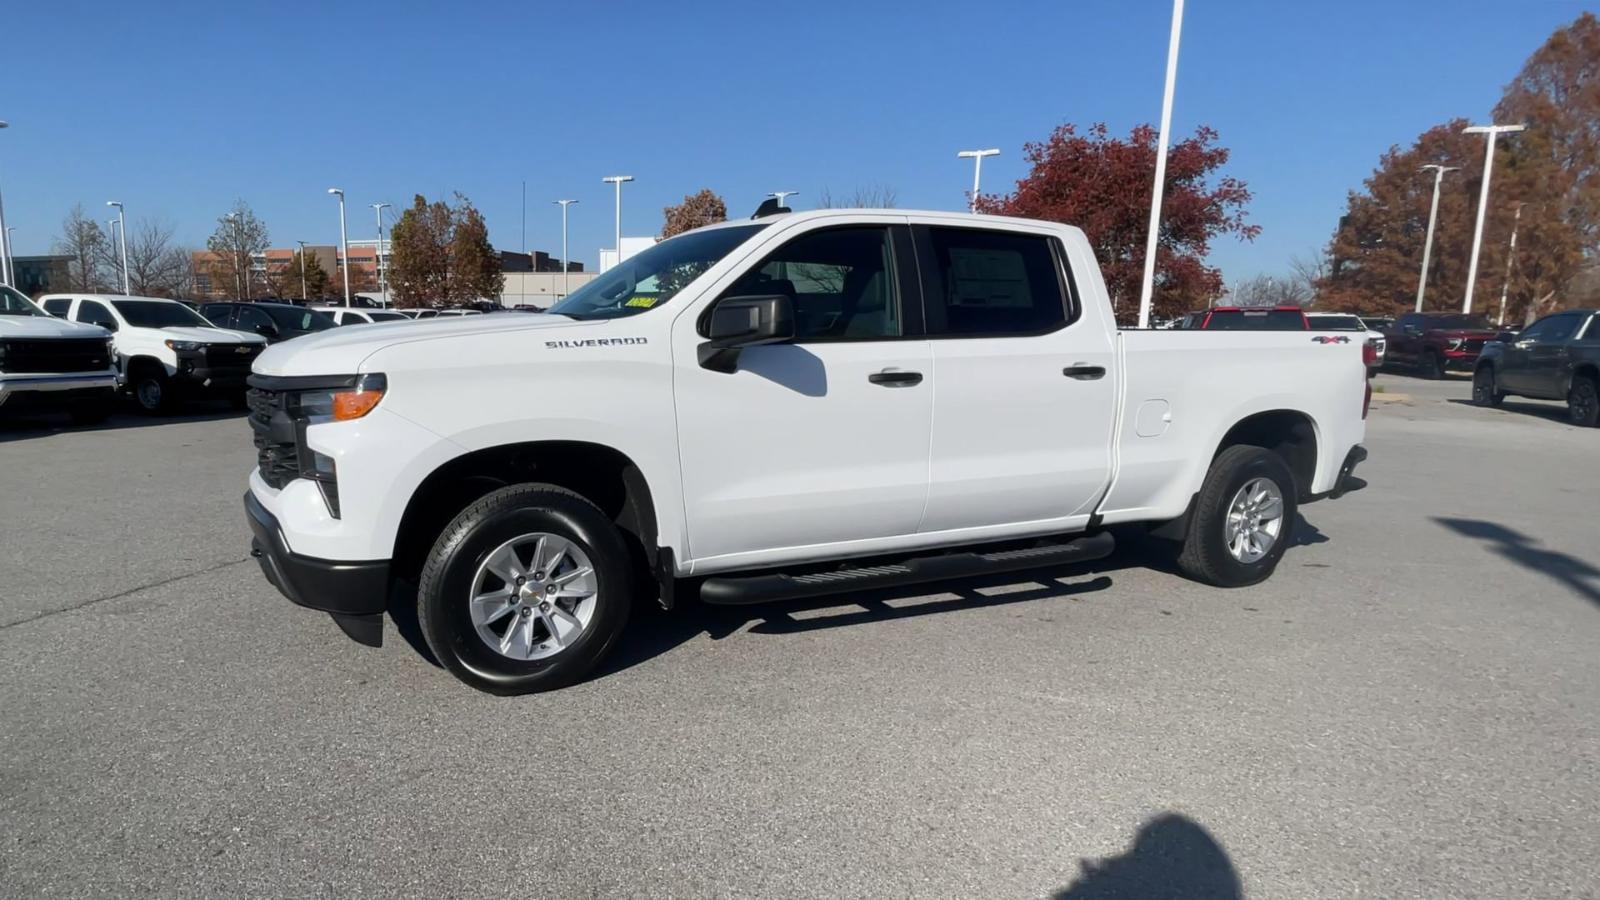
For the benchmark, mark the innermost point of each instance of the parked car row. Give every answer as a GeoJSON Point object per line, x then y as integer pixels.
{"type": "Point", "coordinates": [53, 365]}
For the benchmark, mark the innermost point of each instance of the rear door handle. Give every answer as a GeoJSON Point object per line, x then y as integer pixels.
{"type": "Point", "coordinates": [1084, 373]}
{"type": "Point", "coordinates": [891, 378]}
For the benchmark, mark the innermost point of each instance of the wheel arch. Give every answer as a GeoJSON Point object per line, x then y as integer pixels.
{"type": "Point", "coordinates": [1290, 433]}
{"type": "Point", "coordinates": [606, 476]}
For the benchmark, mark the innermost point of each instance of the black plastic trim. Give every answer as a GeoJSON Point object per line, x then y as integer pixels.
{"type": "Point", "coordinates": [371, 381]}
{"type": "Point", "coordinates": [345, 589]}
{"type": "Point", "coordinates": [739, 591]}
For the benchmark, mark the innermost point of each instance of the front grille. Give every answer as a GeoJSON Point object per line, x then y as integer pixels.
{"type": "Point", "coordinates": [52, 356]}
{"type": "Point", "coordinates": [1472, 345]}
{"type": "Point", "coordinates": [226, 358]}
{"type": "Point", "coordinates": [274, 432]}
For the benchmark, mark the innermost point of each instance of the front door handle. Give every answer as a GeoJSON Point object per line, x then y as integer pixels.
{"type": "Point", "coordinates": [891, 378]}
{"type": "Point", "coordinates": [1084, 373]}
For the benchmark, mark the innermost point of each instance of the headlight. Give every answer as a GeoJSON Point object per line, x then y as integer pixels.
{"type": "Point", "coordinates": [339, 404]}
{"type": "Point", "coordinates": [1453, 344]}
{"type": "Point", "coordinates": [183, 346]}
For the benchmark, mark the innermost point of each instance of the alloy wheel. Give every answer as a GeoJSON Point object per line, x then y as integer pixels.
{"type": "Point", "coordinates": [1255, 520]}
{"type": "Point", "coordinates": [533, 596]}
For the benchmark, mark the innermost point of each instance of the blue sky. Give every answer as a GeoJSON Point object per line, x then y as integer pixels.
{"type": "Point", "coordinates": [178, 108]}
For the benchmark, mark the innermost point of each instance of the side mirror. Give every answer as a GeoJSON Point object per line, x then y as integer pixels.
{"type": "Point", "coordinates": [107, 324]}
{"type": "Point", "coordinates": [1412, 329]}
{"type": "Point", "coordinates": [1506, 337]}
{"type": "Point", "coordinates": [740, 322]}
{"type": "Point", "coordinates": [267, 331]}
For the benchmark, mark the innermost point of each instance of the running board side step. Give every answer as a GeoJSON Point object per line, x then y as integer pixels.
{"type": "Point", "coordinates": [740, 591]}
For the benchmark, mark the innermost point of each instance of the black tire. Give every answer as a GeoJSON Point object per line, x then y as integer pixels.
{"type": "Point", "coordinates": [151, 390]}
{"type": "Point", "coordinates": [1484, 390]}
{"type": "Point", "coordinates": [1205, 556]}
{"type": "Point", "coordinates": [452, 564]}
{"type": "Point", "coordinates": [1430, 366]}
{"type": "Point", "coordinates": [1583, 402]}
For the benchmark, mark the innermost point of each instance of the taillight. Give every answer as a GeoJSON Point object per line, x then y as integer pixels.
{"type": "Point", "coordinates": [1366, 402]}
{"type": "Point", "coordinates": [1369, 354]}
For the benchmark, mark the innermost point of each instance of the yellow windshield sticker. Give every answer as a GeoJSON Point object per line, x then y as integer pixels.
{"type": "Point", "coordinates": [645, 302]}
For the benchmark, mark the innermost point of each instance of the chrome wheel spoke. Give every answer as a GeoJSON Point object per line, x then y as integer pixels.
{"type": "Point", "coordinates": [533, 611]}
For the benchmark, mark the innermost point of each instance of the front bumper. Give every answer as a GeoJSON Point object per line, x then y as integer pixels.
{"type": "Point", "coordinates": [76, 381]}
{"type": "Point", "coordinates": [354, 593]}
{"type": "Point", "coordinates": [205, 378]}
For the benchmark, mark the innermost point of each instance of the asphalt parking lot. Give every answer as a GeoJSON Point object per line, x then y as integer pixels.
{"type": "Point", "coordinates": [1410, 708]}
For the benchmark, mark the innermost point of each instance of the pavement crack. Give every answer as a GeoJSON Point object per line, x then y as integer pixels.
{"type": "Point", "coordinates": [120, 594]}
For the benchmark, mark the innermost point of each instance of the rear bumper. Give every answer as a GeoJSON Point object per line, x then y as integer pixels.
{"type": "Point", "coordinates": [354, 593]}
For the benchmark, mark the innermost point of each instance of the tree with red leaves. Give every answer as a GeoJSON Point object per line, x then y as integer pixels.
{"type": "Point", "coordinates": [1102, 185]}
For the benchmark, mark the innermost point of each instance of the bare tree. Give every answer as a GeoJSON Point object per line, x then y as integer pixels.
{"type": "Point", "coordinates": [238, 238]}
{"type": "Point", "coordinates": [156, 266]}
{"type": "Point", "coordinates": [1309, 272]}
{"type": "Point", "coordinates": [873, 197]}
{"type": "Point", "coordinates": [83, 241]}
{"type": "Point", "coordinates": [1269, 290]}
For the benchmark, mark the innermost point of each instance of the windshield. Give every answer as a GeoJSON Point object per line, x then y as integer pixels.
{"type": "Point", "coordinates": [1337, 323]}
{"type": "Point", "coordinates": [653, 277]}
{"type": "Point", "coordinates": [1256, 320]}
{"type": "Point", "coordinates": [290, 319]}
{"type": "Point", "coordinates": [388, 317]}
{"type": "Point", "coordinates": [13, 303]}
{"type": "Point", "coordinates": [1459, 320]}
{"type": "Point", "coordinates": [159, 314]}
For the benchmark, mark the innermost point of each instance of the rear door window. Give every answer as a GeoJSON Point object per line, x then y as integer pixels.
{"type": "Point", "coordinates": [982, 283]}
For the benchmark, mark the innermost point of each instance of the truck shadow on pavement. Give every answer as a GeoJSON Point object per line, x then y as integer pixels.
{"type": "Point", "coordinates": [1552, 410]}
{"type": "Point", "coordinates": [1578, 576]}
{"type": "Point", "coordinates": [25, 427]}
{"type": "Point", "coordinates": [1172, 857]}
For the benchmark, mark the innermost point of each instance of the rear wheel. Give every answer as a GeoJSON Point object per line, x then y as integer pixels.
{"type": "Point", "coordinates": [1583, 402]}
{"type": "Point", "coordinates": [1484, 390]}
{"type": "Point", "coordinates": [1243, 519]}
{"type": "Point", "coordinates": [526, 590]}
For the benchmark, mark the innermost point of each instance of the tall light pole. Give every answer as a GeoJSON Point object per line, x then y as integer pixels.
{"type": "Point", "coordinates": [1511, 257]}
{"type": "Point", "coordinates": [344, 246]}
{"type": "Point", "coordinates": [382, 282]}
{"type": "Point", "coordinates": [1433, 213]}
{"type": "Point", "coordinates": [303, 293]}
{"type": "Point", "coordinates": [782, 195]}
{"type": "Point", "coordinates": [8, 265]}
{"type": "Point", "coordinates": [111, 231]}
{"type": "Point", "coordinates": [977, 169]}
{"type": "Point", "coordinates": [566, 264]}
{"type": "Point", "coordinates": [1147, 286]}
{"type": "Point", "coordinates": [122, 226]}
{"type": "Point", "coordinates": [1493, 131]}
{"type": "Point", "coordinates": [618, 181]}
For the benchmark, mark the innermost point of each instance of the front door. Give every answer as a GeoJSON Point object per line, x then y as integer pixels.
{"type": "Point", "coordinates": [1023, 415]}
{"type": "Point", "coordinates": [818, 442]}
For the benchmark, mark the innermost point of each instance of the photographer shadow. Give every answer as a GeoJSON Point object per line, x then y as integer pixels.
{"type": "Point", "coordinates": [1173, 857]}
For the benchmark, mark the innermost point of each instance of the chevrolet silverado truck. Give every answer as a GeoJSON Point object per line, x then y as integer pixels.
{"type": "Point", "coordinates": [1555, 358]}
{"type": "Point", "coordinates": [54, 366]}
{"type": "Point", "coordinates": [166, 352]}
{"type": "Point", "coordinates": [782, 407]}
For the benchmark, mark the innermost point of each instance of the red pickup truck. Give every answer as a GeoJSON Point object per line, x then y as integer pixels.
{"type": "Point", "coordinates": [1245, 318]}
{"type": "Point", "coordinates": [1433, 343]}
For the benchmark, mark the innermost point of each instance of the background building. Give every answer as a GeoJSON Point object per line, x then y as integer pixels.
{"type": "Point", "coordinates": [41, 274]}
{"type": "Point", "coordinates": [630, 246]}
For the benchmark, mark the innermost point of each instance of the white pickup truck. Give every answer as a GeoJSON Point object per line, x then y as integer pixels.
{"type": "Point", "coordinates": [775, 408]}
{"type": "Point", "coordinates": [50, 365]}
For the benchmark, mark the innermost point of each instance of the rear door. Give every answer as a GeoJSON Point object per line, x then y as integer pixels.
{"type": "Point", "coordinates": [1548, 356]}
{"type": "Point", "coordinates": [1022, 417]}
{"type": "Point", "coordinates": [218, 314]}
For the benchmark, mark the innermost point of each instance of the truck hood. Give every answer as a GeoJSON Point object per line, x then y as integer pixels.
{"type": "Point", "coordinates": [47, 327]}
{"type": "Point", "coordinates": [211, 335]}
{"type": "Point", "coordinates": [340, 350]}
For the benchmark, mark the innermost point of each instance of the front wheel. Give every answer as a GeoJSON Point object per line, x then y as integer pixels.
{"type": "Point", "coordinates": [1243, 519]}
{"type": "Point", "coordinates": [526, 590]}
{"type": "Point", "coordinates": [1430, 366]}
{"type": "Point", "coordinates": [1583, 403]}
{"type": "Point", "coordinates": [1484, 390]}
{"type": "Point", "coordinates": [152, 391]}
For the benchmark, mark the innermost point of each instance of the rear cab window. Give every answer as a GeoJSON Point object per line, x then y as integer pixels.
{"type": "Point", "coordinates": [981, 283]}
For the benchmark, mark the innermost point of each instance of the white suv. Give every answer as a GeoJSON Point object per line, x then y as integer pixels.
{"type": "Point", "coordinates": [165, 350]}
